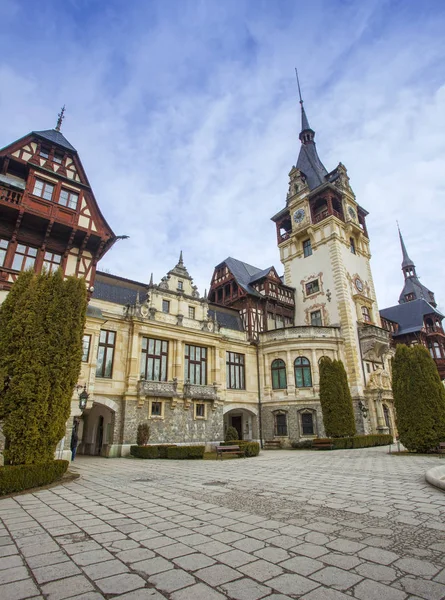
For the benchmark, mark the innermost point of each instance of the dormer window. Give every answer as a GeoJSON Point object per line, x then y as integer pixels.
{"type": "Point", "coordinates": [58, 158]}
{"type": "Point", "coordinates": [409, 297]}
{"type": "Point", "coordinates": [180, 285]}
{"type": "Point", "coordinates": [68, 198]}
{"type": "Point", "coordinates": [44, 152]}
{"type": "Point", "coordinates": [43, 189]}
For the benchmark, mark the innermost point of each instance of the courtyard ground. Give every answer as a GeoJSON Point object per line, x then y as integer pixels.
{"type": "Point", "coordinates": [287, 524]}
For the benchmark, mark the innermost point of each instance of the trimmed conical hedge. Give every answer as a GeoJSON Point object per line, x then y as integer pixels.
{"type": "Point", "coordinates": [41, 328]}
{"type": "Point", "coordinates": [335, 399]}
{"type": "Point", "coordinates": [419, 399]}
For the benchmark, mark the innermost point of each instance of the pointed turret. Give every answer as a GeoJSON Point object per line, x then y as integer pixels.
{"type": "Point", "coordinates": [406, 262]}
{"type": "Point", "coordinates": [308, 161]}
{"type": "Point", "coordinates": [413, 288]}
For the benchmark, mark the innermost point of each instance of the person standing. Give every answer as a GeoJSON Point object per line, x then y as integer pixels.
{"type": "Point", "coordinates": [74, 441]}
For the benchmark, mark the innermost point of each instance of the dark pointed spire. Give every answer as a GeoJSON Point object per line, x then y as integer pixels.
{"type": "Point", "coordinates": [60, 118]}
{"type": "Point", "coordinates": [406, 262]}
{"type": "Point", "coordinates": [151, 284]}
{"type": "Point", "coordinates": [307, 133]}
{"type": "Point", "coordinates": [180, 262]}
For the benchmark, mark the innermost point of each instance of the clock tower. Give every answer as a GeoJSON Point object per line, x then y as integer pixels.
{"type": "Point", "coordinates": [324, 247]}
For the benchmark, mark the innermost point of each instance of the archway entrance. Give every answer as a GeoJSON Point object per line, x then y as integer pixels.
{"type": "Point", "coordinates": [96, 435]}
{"type": "Point", "coordinates": [244, 421]}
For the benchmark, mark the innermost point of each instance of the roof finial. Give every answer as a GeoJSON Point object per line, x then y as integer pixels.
{"type": "Point", "coordinates": [151, 281]}
{"type": "Point", "coordinates": [406, 261]}
{"type": "Point", "coordinates": [304, 120]}
{"type": "Point", "coordinates": [60, 118]}
{"type": "Point", "coordinates": [181, 262]}
{"type": "Point", "coordinates": [299, 89]}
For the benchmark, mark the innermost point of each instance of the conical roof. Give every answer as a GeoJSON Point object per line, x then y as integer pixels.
{"type": "Point", "coordinates": [54, 136]}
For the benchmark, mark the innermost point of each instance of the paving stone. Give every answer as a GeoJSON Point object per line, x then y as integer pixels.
{"type": "Point", "coordinates": [317, 538]}
{"type": "Point", "coordinates": [248, 544]}
{"type": "Point", "coordinates": [8, 550]}
{"type": "Point", "coordinates": [105, 569]}
{"type": "Point", "coordinates": [193, 562]}
{"type": "Point", "coordinates": [336, 578]}
{"type": "Point", "coordinates": [292, 584]}
{"type": "Point", "coordinates": [173, 580]}
{"type": "Point", "coordinates": [175, 550]}
{"type": "Point", "coordinates": [142, 594]}
{"type": "Point", "coordinates": [137, 554]}
{"type": "Point", "coordinates": [87, 596]}
{"type": "Point", "coordinates": [212, 548]}
{"type": "Point", "coordinates": [273, 555]}
{"type": "Point", "coordinates": [13, 574]}
{"type": "Point", "coordinates": [440, 578]}
{"type": "Point", "coordinates": [195, 539]}
{"type": "Point", "coordinates": [85, 546]}
{"type": "Point", "coordinates": [371, 590]}
{"type": "Point", "coordinates": [302, 565]}
{"type": "Point", "coordinates": [382, 557]}
{"type": "Point", "coordinates": [10, 562]}
{"type": "Point", "coordinates": [217, 574]}
{"type": "Point", "coordinates": [245, 589]}
{"type": "Point", "coordinates": [92, 557]}
{"type": "Point", "coordinates": [342, 561]}
{"type": "Point", "coordinates": [311, 550]}
{"type": "Point", "coordinates": [119, 584]}
{"type": "Point", "coordinates": [228, 536]}
{"type": "Point", "coordinates": [324, 593]}
{"type": "Point", "coordinates": [261, 570]}
{"type": "Point", "coordinates": [377, 572]}
{"type": "Point", "coordinates": [346, 546]}
{"type": "Point", "coordinates": [262, 534]}
{"type": "Point", "coordinates": [19, 590]}
{"type": "Point", "coordinates": [430, 590]}
{"type": "Point", "coordinates": [35, 549]}
{"type": "Point", "coordinates": [152, 566]}
{"type": "Point", "coordinates": [199, 591]}
{"type": "Point", "coordinates": [235, 558]}
{"type": "Point", "coordinates": [65, 588]}
{"type": "Point", "coordinates": [158, 542]}
{"type": "Point", "coordinates": [53, 572]}
{"type": "Point", "coordinates": [417, 567]}
{"type": "Point", "coordinates": [283, 541]}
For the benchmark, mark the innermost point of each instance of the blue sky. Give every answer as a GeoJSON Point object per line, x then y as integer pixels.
{"type": "Point", "coordinates": [186, 118]}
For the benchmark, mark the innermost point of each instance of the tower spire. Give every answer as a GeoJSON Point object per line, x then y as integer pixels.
{"type": "Point", "coordinates": [304, 120]}
{"type": "Point", "coordinates": [407, 263]}
{"type": "Point", "coordinates": [60, 118]}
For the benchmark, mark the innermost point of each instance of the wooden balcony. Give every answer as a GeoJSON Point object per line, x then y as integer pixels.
{"type": "Point", "coordinates": [325, 214]}
{"type": "Point", "coordinates": [10, 196]}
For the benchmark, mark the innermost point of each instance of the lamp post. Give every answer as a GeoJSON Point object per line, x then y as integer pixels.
{"type": "Point", "coordinates": [83, 397]}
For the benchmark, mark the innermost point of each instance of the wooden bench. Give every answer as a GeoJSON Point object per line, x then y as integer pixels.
{"type": "Point", "coordinates": [220, 450]}
{"type": "Point", "coordinates": [441, 448]}
{"type": "Point", "coordinates": [322, 445]}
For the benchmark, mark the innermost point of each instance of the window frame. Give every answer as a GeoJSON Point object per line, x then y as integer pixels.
{"type": "Point", "coordinates": [166, 305]}
{"type": "Point", "coordinates": [86, 356]}
{"type": "Point", "coordinates": [302, 365]}
{"type": "Point", "coordinates": [235, 371]}
{"type": "Point", "coordinates": [280, 430]}
{"type": "Point", "coordinates": [278, 367]}
{"type": "Point", "coordinates": [352, 247]}
{"type": "Point", "coordinates": [366, 315]}
{"type": "Point", "coordinates": [200, 417]}
{"type": "Point", "coordinates": [154, 361]}
{"type": "Point", "coordinates": [102, 371]}
{"type": "Point", "coordinates": [4, 245]}
{"type": "Point", "coordinates": [307, 248]}
{"type": "Point", "coordinates": [25, 256]}
{"type": "Point", "coordinates": [314, 312]}
{"type": "Point", "coordinates": [158, 415]}
{"type": "Point", "coordinates": [311, 414]}
{"type": "Point", "coordinates": [69, 201]}
{"type": "Point", "coordinates": [310, 284]}
{"type": "Point", "coordinates": [192, 312]}
{"type": "Point", "coordinates": [51, 264]}
{"type": "Point", "coordinates": [45, 184]}
{"type": "Point", "coordinates": [192, 365]}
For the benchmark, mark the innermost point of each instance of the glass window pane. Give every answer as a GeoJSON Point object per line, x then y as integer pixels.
{"type": "Point", "coordinates": [111, 336]}
{"type": "Point", "coordinates": [298, 378]}
{"type": "Point", "coordinates": [198, 374]}
{"type": "Point", "coordinates": [144, 343]}
{"type": "Point", "coordinates": [283, 382]}
{"type": "Point", "coordinates": [151, 345]}
{"type": "Point", "coordinates": [307, 377]}
{"type": "Point", "coordinates": [157, 347]}
{"type": "Point", "coordinates": [103, 335]}
{"type": "Point", "coordinates": [157, 369]}
{"type": "Point", "coordinates": [32, 251]}
{"type": "Point", "coordinates": [100, 361]}
{"type": "Point", "coordinates": [17, 262]}
{"type": "Point", "coordinates": [29, 263]}
{"type": "Point", "coordinates": [38, 186]}
{"type": "Point", "coordinates": [150, 369]}
{"type": "Point", "coordinates": [109, 362]}
{"type": "Point", "coordinates": [164, 347]}
{"type": "Point", "coordinates": [164, 369]}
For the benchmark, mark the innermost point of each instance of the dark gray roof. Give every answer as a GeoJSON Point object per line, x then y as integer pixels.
{"type": "Point", "coordinates": [54, 136]}
{"type": "Point", "coordinates": [227, 318]}
{"type": "Point", "coordinates": [245, 274]}
{"type": "Point", "coordinates": [413, 286]}
{"type": "Point", "coordinates": [118, 290]}
{"type": "Point", "coordinates": [304, 120]}
{"type": "Point", "coordinates": [312, 167]}
{"type": "Point", "coordinates": [407, 262]}
{"type": "Point", "coordinates": [409, 315]}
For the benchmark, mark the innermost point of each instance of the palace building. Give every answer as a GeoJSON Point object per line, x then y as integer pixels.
{"type": "Point", "coordinates": [244, 355]}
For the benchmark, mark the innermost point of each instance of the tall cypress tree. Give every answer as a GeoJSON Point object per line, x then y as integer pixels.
{"type": "Point", "coordinates": [335, 399]}
{"type": "Point", "coordinates": [419, 399]}
{"type": "Point", "coordinates": [41, 326]}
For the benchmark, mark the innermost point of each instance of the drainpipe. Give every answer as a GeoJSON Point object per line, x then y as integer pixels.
{"type": "Point", "coordinates": [260, 421]}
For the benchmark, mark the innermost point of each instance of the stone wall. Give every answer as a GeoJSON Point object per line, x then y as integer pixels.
{"type": "Point", "coordinates": [294, 428]}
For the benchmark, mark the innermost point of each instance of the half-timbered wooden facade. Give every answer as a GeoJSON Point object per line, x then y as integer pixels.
{"type": "Point", "coordinates": [49, 217]}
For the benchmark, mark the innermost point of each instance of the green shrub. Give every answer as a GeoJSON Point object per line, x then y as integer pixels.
{"type": "Point", "coordinates": [143, 434]}
{"type": "Point", "coordinates": [185, 452]}
{"type": "Point", "coordinates": [163, 449]}
{"type": "Point", "coordinates": [302, 444]}
{"type": "Point", "coordinates": [419, 399]}
{"type": "Point", "coordinates": [144, 451]}
{"type": "Point", "coordinates": [335, 399]}
{"type": "Point", "coordinates": [231, 434]}
{"type": "Point", "coordinates": [16, 478]}
{"type": "Point", "coordinates": [250, 448]}
{"type": "Point", "coordinates": [358, 441]}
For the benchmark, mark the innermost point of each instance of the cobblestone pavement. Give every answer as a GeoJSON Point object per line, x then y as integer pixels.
{"type": "Point", "coordinates": [312, 525]}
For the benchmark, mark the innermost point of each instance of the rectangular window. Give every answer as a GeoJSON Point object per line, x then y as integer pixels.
{"type": "Point", "coordinates": [43, 189]}
{"type": "Point", "coordinates": [58, 158]}
{"type": "Point", "coordinates": [44, 152]}
{"type": "Point", "coordinates": [235, 371]}
{"type": "Point", "coordinates": [307, 424]}
{"type": "Point", "coordinates": [196, 364]}
{"type": "Point", "coordinates": [366, 314]}
{"type": "Point", "coordinates": [281, 424]}
{"type": "Point", "coordinates": [154, 359]}
{"type": "Point", "coordinates": [312, 287]}
{"type": "Point", "coordinates": [191, 312]}
{"type": "Point", "coordinates": [200, 411]}
{"type": "Point", "coordinates": [156, 409]}
{"type": "Point", "coordinates": [69, 199]}
{"type": "Point", "coordinates": [105, 353]}
{"type": "Point", "coordinates": [3, 248]}
{"type": "Point", "coordinates": [316, 320]}
{"type": "Point", "coordinates": [307, 248]}
{"type": "Point", "coordinates": [165, 306]}
{"type": "Point", "coordinates": [51, 261]}
{"type": "Point", "coordinates": [352, 245]}
{"type": "Point", "coordinates": [24, 258]}
{"type": "Point", "coordinates": [180, 285]}
{"type": "Point", "coordinates": [86, 343]}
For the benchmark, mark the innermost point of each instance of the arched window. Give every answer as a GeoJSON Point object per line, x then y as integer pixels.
{"type": "Point", "coordinates": [303, 377]}
{"type": "Point", "coordinates": [366, 315]}
{"type": "Point", "coordinates": [279, 375]}
{"type": "Point", "coordinates": [281, 424]}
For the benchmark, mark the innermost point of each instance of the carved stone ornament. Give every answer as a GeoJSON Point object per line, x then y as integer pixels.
{"type": "Point", "coordinates": [200, 392]}
{"type": "Point", "coordinates": [160, 389]}
{"type": "Point", "coordinates": [164, 283]}
{"type": "Point", "coordinates": [379, 380]}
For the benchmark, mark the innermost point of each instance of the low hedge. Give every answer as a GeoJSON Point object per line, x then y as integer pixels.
{"type": "Point", "coordinates": [181, 452]}
{"type": "Point", "coordinates": [358, 441]}
{"type": "Point", "coordinates": [144, 451]}
{"type": "Point", "coordinates": [250, 448]}
{"type": "Point", "coordinates": [16, 478]}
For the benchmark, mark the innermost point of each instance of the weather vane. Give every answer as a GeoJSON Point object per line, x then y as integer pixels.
{"type": "Point", "coordinates": [298, 83]}
{"type": "Point", "coordinates": [60, 118]}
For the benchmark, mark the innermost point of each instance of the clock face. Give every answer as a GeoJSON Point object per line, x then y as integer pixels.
{"type": "Point", "coordinates": [351, 212]}
{"type": "Point", "coordinates": [299, 215]}
{"type": "Point", "coordinates": [359, 285]}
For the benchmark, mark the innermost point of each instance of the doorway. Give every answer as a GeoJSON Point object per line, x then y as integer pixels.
{"type": "Point", "coordinates": [99, 436]}
{"type": "Point", "coordinates": [237, 422]}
